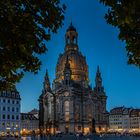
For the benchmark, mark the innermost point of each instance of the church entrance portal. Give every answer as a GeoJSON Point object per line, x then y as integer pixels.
{"type": "Point", "coordinates": [66, 129]}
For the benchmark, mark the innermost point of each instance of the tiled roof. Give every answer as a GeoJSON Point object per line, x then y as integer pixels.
{"type": "Point", "coordinates": [10, 94]}
{"type": "Point", "coordinates": [27, 116]}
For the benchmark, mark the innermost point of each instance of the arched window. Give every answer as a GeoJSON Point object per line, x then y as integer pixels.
{"type": "Point", "coordinates": [67, 109]}
{"type": "Point", "coordinates": [74, 40]}
{"type": "Point", "coordinates": [68, 40]}
{"type": "Point", "coordinates": [66, 106]}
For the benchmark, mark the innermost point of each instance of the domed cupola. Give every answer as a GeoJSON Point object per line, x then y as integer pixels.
{"type": "Point", "coordinates": [78, 65]}
{"type": "Point", "coordinates": [71, 38]}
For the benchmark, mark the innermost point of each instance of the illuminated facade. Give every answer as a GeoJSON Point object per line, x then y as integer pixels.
{"type": "Point", "coordinates": [72, 105]}
{"type": "Point", "coordinates": [135, 120]}
{"type": "Point", "coordinates": [29, 123]}
{"type": "Point", "coordinates": [122, 119]}
{"type": "Point", "coordinates": [9, 113]}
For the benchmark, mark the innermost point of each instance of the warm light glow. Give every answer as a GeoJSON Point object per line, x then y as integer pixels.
{"type": "Point", "coordinates": [52, 130]}
{"type": "Point", "coordinates": [62, 77]}
{"type": "Point", "coordinates": [86, 130]}
{"type": "Point", "coordinates": [67, 109]}
{"type": "Point", "coordinates": [16, 125]}
{"type": "Point", "coordinates": [103, 129]}
{"type": "Point", "coordinates": [8, 128]}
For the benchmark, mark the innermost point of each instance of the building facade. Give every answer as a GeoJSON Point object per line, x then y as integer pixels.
{"type": "Point", "coordinates": [9, 113]}
{"type": "Point", "coordinates": [122, 119]}
{"type": "Point", "coordinates": [135, 120]}
{"type": "Point", "coordinates": [29, 123]}
{"type": "Point", "coordinates": [71, 105]}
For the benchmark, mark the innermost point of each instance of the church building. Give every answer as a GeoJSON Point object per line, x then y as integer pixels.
{"type": "Point", "coordinates": [71, 105]}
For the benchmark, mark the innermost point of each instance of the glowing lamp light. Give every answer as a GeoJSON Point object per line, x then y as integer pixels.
{"type": "Point", "coordinates": [8, 128]}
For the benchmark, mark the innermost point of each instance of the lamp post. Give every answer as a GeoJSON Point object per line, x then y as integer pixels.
{"type": "Point", "coordinates": [54, 113]}
{"type": "Point", "coordinates": [93, 126]}
{"type": "Point", "coordinates": [82, 112]}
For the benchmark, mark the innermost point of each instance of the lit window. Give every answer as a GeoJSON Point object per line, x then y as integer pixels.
{"type": "Point", "coordinates": [3, 124]}
{"type": "Point", "coordinates": [67, 116]}
{"type": "Point", "coordinates": [8, 124]}
{"type": "Point", "coordinates": [16, 125]}
{"type": "Point", "coordinates": [67, 109]}
{"type": "Point", "coordinates": [66, 106]}
{"type": "Point", "coordinates": [13, 124]}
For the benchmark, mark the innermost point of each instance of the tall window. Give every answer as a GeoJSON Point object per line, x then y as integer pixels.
{"type": "Point", "coordinates": [13, 109]}
{"type": "Point", "coordinates": [3, 124]}
{"type": "Point", "coordinates": [8, 124]}
{"type": "Point", "coordinates": [8, 117]}
{"type": "Point", "coordinates": [17, 117]}
{"type": "Point", "coordinates": [3, 116]}
{"type": "Point", "coordinates": [13, 117]}
{"type": "Point", "coordinates": [3, 108]}
{"type": "Point", "coordinates": [8, 108]}
{"type": "Point", "coordinates": [67, 110]}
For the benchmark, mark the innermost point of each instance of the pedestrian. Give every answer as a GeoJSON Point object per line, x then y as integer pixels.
{"type": "Point", "coordinates": [33, 135]}
{"type": "Point", "coordinates": [41, 136]}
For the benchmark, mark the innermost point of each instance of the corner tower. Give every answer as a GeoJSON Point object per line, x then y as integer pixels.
{"type": "Point", "coordinates": [98, 82]}
{"type": "Point", "coordinates": [99, 90]}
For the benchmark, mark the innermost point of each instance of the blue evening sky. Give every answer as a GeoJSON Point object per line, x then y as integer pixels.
{"type": "Point", "coordinates": [99, 42]}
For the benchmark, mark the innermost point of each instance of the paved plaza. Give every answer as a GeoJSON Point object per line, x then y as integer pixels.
{"type": "Point", "coordinates": [73, 137]}
{"type": "Point", "coordinates": [59, 137]}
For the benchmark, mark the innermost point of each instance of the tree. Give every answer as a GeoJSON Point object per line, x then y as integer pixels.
{"type": "Point", "coordinates": [125, 14]}
{"type": "Point", "coordinates": [25, 26]}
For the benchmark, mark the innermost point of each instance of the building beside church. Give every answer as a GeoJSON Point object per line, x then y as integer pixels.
{"type": "Point", "coordinates": [124, 120]}
{"type": "Point", "coordinates": [10, 113]}
{"type": "Point", "coordinates": [71, 105]}
{"type": "Point", "coordinates": [29, 123]}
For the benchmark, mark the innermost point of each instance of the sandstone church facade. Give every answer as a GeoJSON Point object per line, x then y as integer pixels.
{"type": "Point", "coordinates": [71, 105]}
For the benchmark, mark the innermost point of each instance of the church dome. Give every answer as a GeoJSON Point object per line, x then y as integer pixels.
{"type": "Point", "coordinates": [78, 65]}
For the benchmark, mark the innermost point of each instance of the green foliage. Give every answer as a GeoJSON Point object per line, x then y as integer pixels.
{"type": "Point", "coordinates": [25, 26]}
{"type": "Point", "coordinates": [125, 14]}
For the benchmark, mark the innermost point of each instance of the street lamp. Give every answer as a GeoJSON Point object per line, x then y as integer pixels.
{"type": "Point", "coordinates": [54, 121]}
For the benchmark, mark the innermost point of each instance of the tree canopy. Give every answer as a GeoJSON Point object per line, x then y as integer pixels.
{"type": "Point", "coordinates": [25, 26]}
{"type": "Point", "coordinates": [125, 14]}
